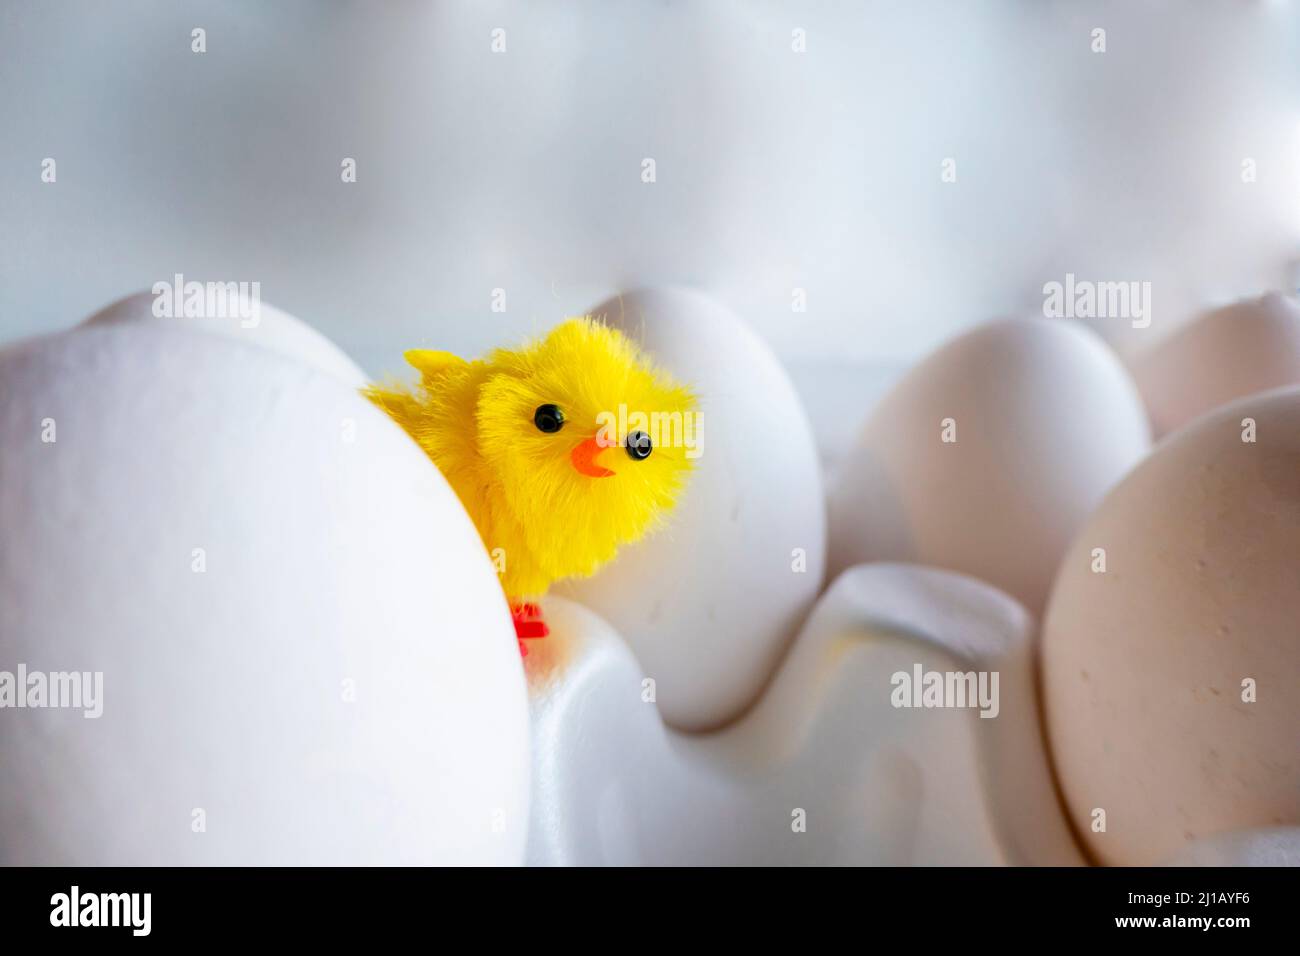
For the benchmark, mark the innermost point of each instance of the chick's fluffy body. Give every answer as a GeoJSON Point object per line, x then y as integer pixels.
{"type": "Point", "coordinates": [519, 484]}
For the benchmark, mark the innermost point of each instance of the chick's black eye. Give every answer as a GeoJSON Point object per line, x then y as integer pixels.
{"type": "Point", "coordinates": [639, 446]}
{"type": "Point", "coordinates": [548, 418]}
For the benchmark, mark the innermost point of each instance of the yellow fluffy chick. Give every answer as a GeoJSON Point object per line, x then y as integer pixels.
{"type": "Point", "coordinates": [561, 451]}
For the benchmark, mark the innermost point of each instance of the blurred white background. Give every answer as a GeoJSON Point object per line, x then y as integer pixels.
{"type": "Point", "coordinates": [522, 170]}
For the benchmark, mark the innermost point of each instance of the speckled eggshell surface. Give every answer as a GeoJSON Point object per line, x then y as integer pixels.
{"type": "Point", "coordinates": [1171, 679]}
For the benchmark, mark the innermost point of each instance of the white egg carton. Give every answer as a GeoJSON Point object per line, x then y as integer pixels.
{"type": "Point", "coordinates": [825, 768]}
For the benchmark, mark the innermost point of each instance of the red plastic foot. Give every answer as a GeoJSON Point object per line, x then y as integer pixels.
{"type": "Point", "coordinates": [528, 624]}
{"type": "Point", "coordinates": [530, 629]}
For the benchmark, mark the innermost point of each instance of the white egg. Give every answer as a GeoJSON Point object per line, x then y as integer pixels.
{"type": "Point", "coordinates": [1170, 671]}
{"type": "Point", "coordinates": [305, 654]}
{"type": "Point", "coordinates": [709, 603]}
{"type": "Point", "coordinates": [245, 319]}
{"type": "Point", "coordinates": [1249, 346]}
{"type": "Point", "coordinates": [988, 456]}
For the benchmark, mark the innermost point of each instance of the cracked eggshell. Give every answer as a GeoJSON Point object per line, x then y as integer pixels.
{"type": "Point", "coordinates": [709, 602]}
{"type": "Point", "coordinates": [1045, 419]}
{"type": "Point", "coordinates": [303, 643]}
{"type": "Point", "coordinates": [1249, 346]}
{"type": "Point", "coordinates": [1143, 665]}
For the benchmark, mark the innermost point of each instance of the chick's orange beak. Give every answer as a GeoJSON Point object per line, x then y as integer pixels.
{"type": "Point", "coordinates": [583, 457]}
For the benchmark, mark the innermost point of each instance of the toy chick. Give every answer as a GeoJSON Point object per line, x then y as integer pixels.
{"type": "Point", "coordinates": [530, 441]}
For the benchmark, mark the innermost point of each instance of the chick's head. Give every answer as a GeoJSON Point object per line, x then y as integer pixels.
{"type": "Point", "coordinates": [588, 442]}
